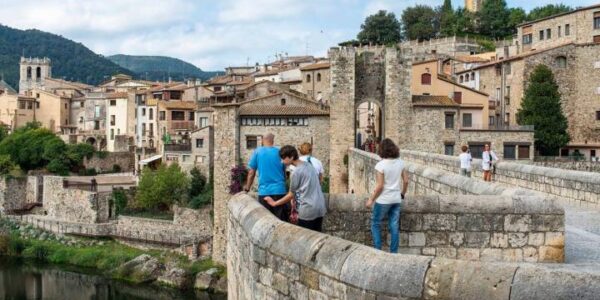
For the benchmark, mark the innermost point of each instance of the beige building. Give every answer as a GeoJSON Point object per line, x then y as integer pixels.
{"type": "Point", "coordinates": [315, 81]}
{"type": "Point", "coordinates": [473, 5]}
{"type": "Point", "coordinates": [119, 124]}
{"type": "Point", "coordinates": [427, 79]}
{"type": "Point", "coordinates": [581, 26]}
{"type": "Point", "coordinates": [16, 110]}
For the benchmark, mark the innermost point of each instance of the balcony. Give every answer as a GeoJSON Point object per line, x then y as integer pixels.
{"type": "Point", "coordinates": [182, 125]}
{"type": "Point", "coordinates": [178, 147]}
{"type": "Point", "coordinates": [500, 128]}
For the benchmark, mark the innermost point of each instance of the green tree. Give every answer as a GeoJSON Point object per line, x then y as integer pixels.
{"type": "Point", "coordinates": [197, 183]}
{"type": "Point", "coordinates": [3, 132]}
{"type": "Point", "coordinates": [494, 18]}
{"type": "Point", "coordinates": [516, 17]}
{"type": "Point", "coordinates": [419, 23]}
{"type": "Point", "coordinates": [541, 107]}
{"type": "Point", "coordinates": [381, 28]}
{"type": "Point", "coordinates": [464, 22]}
{"type": "Point", "coordinates": [547, 11]}
{"type": "Point", "coordinates": [447, 19]}
{"type": "Point", "coordinates": [161, 188]}
{"type": "Point", "coordinates": [6, 165]}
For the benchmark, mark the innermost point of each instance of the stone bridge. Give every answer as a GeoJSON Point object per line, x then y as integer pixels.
{"type": "Point", "coordinates": [534, 233]}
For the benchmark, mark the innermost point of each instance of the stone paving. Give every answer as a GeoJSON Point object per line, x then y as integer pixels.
{"type": "Point", "coordinates": [582, 235]}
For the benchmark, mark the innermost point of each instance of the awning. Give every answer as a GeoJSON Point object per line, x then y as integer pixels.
{"type": "Point", "coordinates": [150, 159]}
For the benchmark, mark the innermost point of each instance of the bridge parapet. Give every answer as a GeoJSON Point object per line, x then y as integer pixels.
{"type": "Point", "coordinates": [270, 259]}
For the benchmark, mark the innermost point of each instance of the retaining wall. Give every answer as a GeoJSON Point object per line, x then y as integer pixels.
{"type": "Point", "coordinates": [270, 259]}
{"type": "Point", "coordinates": [13, 193]}
{"type": "Point", "coordinates": [486, 228]}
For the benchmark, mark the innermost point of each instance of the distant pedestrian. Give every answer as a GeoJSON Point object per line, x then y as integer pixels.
{"type": "Point", "coordinates": [388, 194]}
{"type": "Point", "coordinates": [271, 176]}
{"type": "Point", "coordinates": [305, 191]}
{"type": "Point", "coordinates": [465, 161]}
{"type": "Point", "coordinates": [488, 161]}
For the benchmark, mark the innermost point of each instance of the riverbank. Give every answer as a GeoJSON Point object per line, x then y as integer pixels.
{"type": "Point", "coordinates": [112, 259]}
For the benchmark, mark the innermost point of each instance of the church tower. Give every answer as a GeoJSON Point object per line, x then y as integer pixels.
{"type": "Point", "coordinates": [33, 72]}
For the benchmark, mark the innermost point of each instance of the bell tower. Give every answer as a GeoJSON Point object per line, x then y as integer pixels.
{"type": "Point", "coordinates": [33, 72]}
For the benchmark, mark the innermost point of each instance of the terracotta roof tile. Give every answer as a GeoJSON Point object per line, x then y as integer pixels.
{"type": "Point", "coordinates": [116, 95]}
{"type": "Point", "coordinates": [280, 110]}
{"type": "Point", "coordinates": [427, 100]}
{"type": "Point", "coordinates": [178, 104]}
{"type": "Point", "coordinates": [317, 66]}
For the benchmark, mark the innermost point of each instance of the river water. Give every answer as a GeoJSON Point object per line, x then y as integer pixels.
{"type": "Point", "coordinates": [24, 279]}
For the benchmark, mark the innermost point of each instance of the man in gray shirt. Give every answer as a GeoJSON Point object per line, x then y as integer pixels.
{"type": "Point", "coordinates": [305, 187]}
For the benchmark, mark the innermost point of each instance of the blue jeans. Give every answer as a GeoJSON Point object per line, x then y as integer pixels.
{"type": "Point", "coordinates": [393, 214]}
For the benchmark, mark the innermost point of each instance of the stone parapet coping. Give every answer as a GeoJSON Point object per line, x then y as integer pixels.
{"type": "Point", "coordinates": [379, 274]}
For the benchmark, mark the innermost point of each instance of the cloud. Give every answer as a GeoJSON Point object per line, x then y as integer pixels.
{"type": "Point", "coordinates": [262, 10]}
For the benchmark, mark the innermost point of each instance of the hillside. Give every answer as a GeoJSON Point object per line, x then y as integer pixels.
{"type": "Point", "coordinates": [160, 67]}
{"type": "Point", "coordinates": [70, 60]}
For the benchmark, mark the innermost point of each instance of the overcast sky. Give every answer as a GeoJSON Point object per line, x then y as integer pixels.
{"type": "Point", "coordinates": [210, 34]}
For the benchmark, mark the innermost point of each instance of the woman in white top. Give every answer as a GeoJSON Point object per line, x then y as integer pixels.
{"type": "Point", "coordinates": [488, 159]}
{"type": "Point", "coordinates": [306, 156]}
{"type": "Point", "coordinates": [388, 194]}
{"type": "Point", "coordinates": [465, 161]}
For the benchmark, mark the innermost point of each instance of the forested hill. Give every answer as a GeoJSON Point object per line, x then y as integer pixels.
{"type": "Point", "coordinates": [160, 67]}
{"type": "Point", "coordinates": [70, 60]}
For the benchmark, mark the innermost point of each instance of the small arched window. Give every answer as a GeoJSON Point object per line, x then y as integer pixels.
{"type": "Point", "coordinates": [461, 79]}
{"type": "Point", "coordinates": [472, 75]}
{"type": "Point", "coordinates": [318, 77]}
{"type": "Point", "coordinates": [561, 62]}
{"type": "Point", "coordinates": [307, 77]}
{"type": "Point", "coordinates": [282, 101]}
{"type": "Point", "coordinates": [38, 73]}
{"type": "Point", "coordinates": [467, 78]}
{"type": "Point", "coordinates": [28, 72]}
{"type": "Point", "coordinates": [426, 79]}
{"type": "Point", "coordinates": [151, 143]}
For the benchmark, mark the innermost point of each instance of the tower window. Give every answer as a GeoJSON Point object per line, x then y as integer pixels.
{"type": "Point", "coordinates": [38, 73]}
{"type": "Point", "coordinates": [426, 79]}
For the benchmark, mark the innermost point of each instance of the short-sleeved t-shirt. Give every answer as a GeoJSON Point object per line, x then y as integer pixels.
{"type": "Point", "coordinates": [392, 175]}
{"type": "Point", "coordinates": [465, 160]}
{"type": "Point", "coordinates": [271, 176]}
{"type": "Point", "coordinates": [305, 185]}
{"type": "Point", "coordinates": [317, 164]}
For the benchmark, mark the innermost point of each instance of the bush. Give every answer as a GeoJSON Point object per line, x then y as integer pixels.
{"type": "Point", "coordinates": [197, 183]}
{"type": "Point", "coordinates": [120, 200]}
{"type": "Point", "coordinates": [15, 246]}
{"type": "Point", "coordinates": [6, 165]}
{"type": "Point", "coordinates": [238, 178]}
{"type": "Point", "coordinates": [4, 243]}
{"type": "Point", "coordinates": [202, 200]}
{"type": "Point", "coordinates": [37, 251]}
{"type": "Point", "coordinates": [163, 187]}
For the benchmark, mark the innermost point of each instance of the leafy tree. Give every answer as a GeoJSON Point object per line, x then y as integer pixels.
{"type": "Point", "coordinates": [6, 165]}
{"type": "Point", "coordinates": [161, 188]}
{"type": "Point", "coordinates": [516, 17]}
{"type": "Point", "coordinates": [3, 132]}
{"type": "Point", "coordinates": [541, 108]}
{"type": "Point", "coordinates": [381, 28]}
{"type": "Point", "coordinates": [419, 23]}
{"type": "Point", "coordinates": [494, 19]}
{"type": "Point", "coordinates": [464, 22]}
{"type": "Point", "coordinates": [197, 183]}
{"type": "Point", "coordinates": [547, 11]}
{"type": "Point", "coordinates": [447, 19]}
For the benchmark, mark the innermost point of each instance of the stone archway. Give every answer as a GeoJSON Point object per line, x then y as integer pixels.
{"type": "Point", "coordinates": [91, 141]}
{"type": "Point", "coordinates": [369, 125]}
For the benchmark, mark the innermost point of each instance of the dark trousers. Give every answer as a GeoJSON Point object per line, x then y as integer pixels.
{"type": "Point", "coordinates": [316, 224]}
{"type": "Point", "coordinates": [282, 212]}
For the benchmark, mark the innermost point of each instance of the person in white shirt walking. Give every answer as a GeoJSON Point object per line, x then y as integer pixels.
{"type": "Point", "coordinates": [465, 161]}
{"type": "Point", "coordinates": [488, 160]}
{"type": "Point", "coordinates": [388, 194]}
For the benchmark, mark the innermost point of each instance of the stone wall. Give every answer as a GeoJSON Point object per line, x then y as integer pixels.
{"type": "Point", "coordinates": [497, 139]}
{"type": "Point", "coordinates": [13, 193]}
{"type": "Point", "coordinates": [74, 205]}
{"type": "Point", "coordinates": [486, 228]}
{"type": "Point", "coordinates": [580, 188]}
{"type": "Point", "coordinates": [270, 259]}
{"type": "Point", "coordinates": [583, 166]}
{"type": "Point", "coordinates": [125, 160]}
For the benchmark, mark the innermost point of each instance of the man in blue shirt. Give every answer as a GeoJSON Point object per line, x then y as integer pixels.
{"type": "Point", "coordinates": [271, 176]}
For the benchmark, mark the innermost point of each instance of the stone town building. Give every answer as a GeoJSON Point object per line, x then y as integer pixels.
{"type": "Point", "coordinates": [575, 68]}
{"type": "Point", "coordinates": [581, 26]}
{"type": "Point", "coordinates": [33, 72]}
{"type": "Point", "coordinates": [414, 115]}
{"type": "Point", "coordinates": [315, 81]}
{"type": "Point", "coordinates": [16, 110]}
{"type": "Point", "coordinates": [120, 110]}
{"type": "Point", "coordinates": [473, 5]}
{"type": "Point", "coordinates": [428, 79]}
{"type": "Point", "coordinates": [146, 125]}
{"type": "Point", "coordinates": [197, 152]}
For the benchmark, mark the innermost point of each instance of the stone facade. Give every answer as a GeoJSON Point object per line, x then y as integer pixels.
{"type": "Point", "coordinates": [125, 160]}
{"type": "Point", "coordinates": [580, 23]}
{"type": "Point", "coordinates": [74, 205]}
{"type": "Point", "coordinates": [478, 228]}
{"type": "Point", "coordinates": [269, 259]}
{"type": "Point", "coordinates": [13, 194]}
